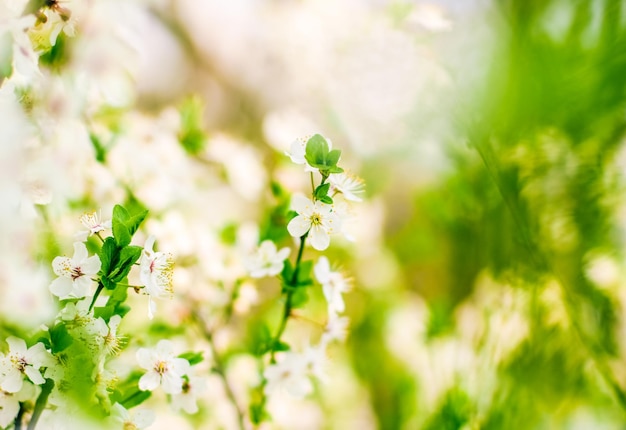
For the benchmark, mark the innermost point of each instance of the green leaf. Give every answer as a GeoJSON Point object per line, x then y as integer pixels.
{"type": "Point", "coordinates": [321, 191]}
{"type": "Point", "coordinates": [326, 199]}
{"type": "Point", "coordinates": [333, 157]}
{"type": "Point", "coordinates": [192, 357]}
{"type": "Point", "coordinates": [259, 338]}
{"type": "Point", "coordinates": [135, 221]}
{"type": "Point", "coordinates": [287, 272]}
{"type": "Point", "coordinates": [192, 136]}
{"type": "Point", "coordinates": [279, 346]}
{"type": "Point", "coordinates": [60, 338]}
{"type": "Point", "coordinates": [104, 312]}
{"type": "Point", "coordinates": [120, 231]}
{"type": "Point", "coordinates": [100, 149]}
{"type": "Point", "coordinates": [127, 257]}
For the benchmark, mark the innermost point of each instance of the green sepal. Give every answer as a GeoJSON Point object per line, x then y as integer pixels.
{"type": "Point", "coordinates": [326, 199]}
{"type": "Point", "coordinates": [259, 339]}
{"type": "Point", "coordinates": [192, 357]}
{"type": "Point", "coordinates": [279, 346]}
{"type": "Point", "coordinates": [321, 191]}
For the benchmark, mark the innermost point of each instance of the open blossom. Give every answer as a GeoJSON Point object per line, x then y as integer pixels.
{"type": "Point", "coordinates": [336, 329]}
{"type": "Point", "coordinates": [351, 186]}
{"type": "Point", "coordinates": [317, 218]}
{"type": "Point", "coordinates": [334, 284]}
{"type": "Point", "coordinates": [193, 388]}
{"type": "Point", "coordinates": [126, 420]}
{"type": "Point", "coordinates": [163, 368]}
{"type": "Point", "coordinates": [10, 402]}
{"type": "Point", "coordinates": [22, 361]}
{"type": "Point", "coordinates": [156, 274]}
{"type": "Point", "coordinates": [290, 374]}
{"type": "Point", "coordinates": [267, 260]}
{"type": "Point", "coordinates": [297, 151]}
{"type": "Point", "coordinates": [92, 222]}
{"type": "Point", "coordinates": [74, 274]}
{"type": "Point", "coordinates": [107, 334]}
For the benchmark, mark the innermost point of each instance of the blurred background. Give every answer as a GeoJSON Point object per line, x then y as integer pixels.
{"type": "Point", "coordinates": [488, 260]}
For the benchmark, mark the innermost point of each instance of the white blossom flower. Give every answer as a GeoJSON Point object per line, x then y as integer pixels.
{"type": "Point", "coordinates": [126, 420]}
{"type": "Point", "coordinates": [336, 329]}
{"type": "Point", "coordinates": [92, 222]}
{"type": "Point", "coordinates": [156, 269]}
{"type": "Point", "coordinates": [163, 368]}
{"type": "Point", "coordinates": [193, 388]}
{"type": "Point", "coordinates": [290, 374]}
{"type": "Point", "coordinates": [107, 334]}
{"type": "Point", "coordinates": [297, 151]}
{"type": "Point", "coordinates": [351, 186]}
{"type": "Point", "coordinates": [22, 361]}
{"type": "Point", "coordinates": [267, 261]}
{"type": "Point", "coordinates": [317, 218]}
{"type": "Point", "coordinates": [74, 274]}
{"type": "Point", "coordinates": [10, 402]}
{"type": "Point", "coordinates": [334, 284]}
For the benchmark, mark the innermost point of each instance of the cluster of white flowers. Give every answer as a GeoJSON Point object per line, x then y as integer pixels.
{"type": "Point", "coordinates": [171, 373]}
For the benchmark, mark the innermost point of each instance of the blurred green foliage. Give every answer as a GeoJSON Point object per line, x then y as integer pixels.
{"type": "Point", "coordinates": [531, 200]}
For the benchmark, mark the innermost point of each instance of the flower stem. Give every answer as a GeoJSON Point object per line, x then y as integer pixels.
{"type": "Point", "coordinates": [95, 296]}
{"type": "Point", "coordinates": [17, 423]}
{"type": "Point", "coordinates": [287, 310]}
{"type": "Point", "coordinates": [40, 404]}
{"type": "Point", "coordinates": [219, 366]}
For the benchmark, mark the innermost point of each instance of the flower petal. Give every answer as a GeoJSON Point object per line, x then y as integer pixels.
{"type": "Point", "coordinates": [144, 358]}
{"type": "Point", "coordinates": [172, 383]}
{"type": "Point", "coordinates": [298, 226]}
{"type": "Point", "coordinates": [61, 266]}
{"type": "Point", "coordinates": [91, 266]}
{"type": "Point", "coordinates": [12, 382]}
{"type": "Point", "coordinates": [80, 253]}
{"type": "Point", "coordinates": [149, 381]}
{"type": "Point", "coordinates": [322, 270]}
{"type": "Point", "coordinates": [319, 238]}
{"type": "Point", "coordinates": [180, 366]}
{"type": "Point", "coordinates": [17, 345]}
{"type": "Point", "coordinates": [34, 375]}
{"type": "Point", "coordinates": [61, 287]}
{"type": "Point", "coordinates": [301, 204]}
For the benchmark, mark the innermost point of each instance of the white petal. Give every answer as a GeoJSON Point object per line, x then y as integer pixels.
{"type": "Point", "coordinates": [282, 254]}
{"type": "Point", "coordinates": [17, 345]}
{"type": "Point", "coordinates": [149, 245]}
{"type": "Point", "coordinates": [165, 349]}
{"type": "Point", "coordinates": [149, 381]}
{"type": "Point", "coordinates": [151, 308]}
{"type": "Point", "coordinates": [37, 355]}
{"type": "Point", "coordinates": [180, 366]}
{"type": "Point", "coordinates": [301, 204]}
{"type": "Point", "coordinates": [61, 287]}
{"type": "Point", "coordinates": [12, 382]}
{"type": "Point", "coordinates": [144, 358]}
{"type": "Point", "coordinates": [172, 383]}
{"type": "Point", "coordinates": [80, 253]}
{"type": "Point", "coordinates": [80, 287]}
{"type": "Point", "coordinates": [91, 266]}
{"type": "Point", "coordinates": [319, 238]}
{"type": "Point", "coordinates": [9, 407]}
{"type": "Point", "coordinates": [34, 375]}
{"type": "Point", "coordinates": [298, 226]}
{"type": "Point", "coordinates": [143, 418]}
{"type": "Point", "coordinates": [322, 270]}
{"type": "Point", "coordinates": [61, 266]}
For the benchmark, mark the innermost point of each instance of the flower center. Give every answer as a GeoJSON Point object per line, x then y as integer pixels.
{"type": "Point", "coordinates": [19, 362]}
{"type": "Point", "coordinates": [160, 367]}
{"type": "Point", "coordinates": [316, 219]}
{"type": "Point", "coordinates": [76, 273]}
{"type": "Point", "coordinates": [129, 426]}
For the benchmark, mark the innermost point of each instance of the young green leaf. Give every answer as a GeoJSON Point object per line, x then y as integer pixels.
{"type": "Point", "coordinates": [192, 357]}
{"type": "Point", "coordinates": [120, 230]}
{"type": "Point", "coordinates": [321, 191]}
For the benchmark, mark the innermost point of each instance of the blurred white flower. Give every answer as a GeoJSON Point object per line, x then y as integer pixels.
{"type": "Point", "coordinates": [156, 274]}
{"type": "Point", "coordinates": [92, 222]}
{"type": "Point", "coordinates": [163, 368]}
{"type": "Point", "coordinates": [351, 186]}
{"type": "Point", "coordinates": [193, 388]}
{"type": "Point", "coordinates": [290, 374]}
{"type": "Point", "coordinates": [10, 402]}
{"type": "Point", "coordinates": [336, 329]}
{"type": "Point", "coordinates": [22, 361]}
{"type": "Point", "coordinates": [267, 260]}
{"type": "Point", "coordinates": [334, 284]}
{"type": "Point", "coordinates": [137, 420]}
{"type": "Point", "coordinates": [318, 219]}
{"type": "Point", "coordinates": [47, 29]}
{"type": "Point", "coordinates": [108, 334]}
{"type": "Point", "coordinates": [74, 274]}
